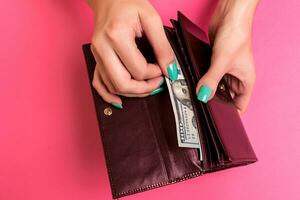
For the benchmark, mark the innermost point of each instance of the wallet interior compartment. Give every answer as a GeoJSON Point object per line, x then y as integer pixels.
{"type": "Point", "coordinates": [215, 154]}
{"type": "Point", "coordinates": [173, 38]}
{"type": "Point", "coordinates": [228, 130]}
{"type": "Point", "coordinates": [178, 161]}
{"type": "Point", "coordinates": [140, 142]}
{"type": "Point", "coordinates": [211, 153]}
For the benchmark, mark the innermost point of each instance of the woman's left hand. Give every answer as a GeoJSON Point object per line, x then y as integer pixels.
{"type": "Point", "coordinates": [230, 34]}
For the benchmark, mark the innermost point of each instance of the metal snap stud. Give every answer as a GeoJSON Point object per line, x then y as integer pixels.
{"type": "Point", "coordinates": [108, 111]}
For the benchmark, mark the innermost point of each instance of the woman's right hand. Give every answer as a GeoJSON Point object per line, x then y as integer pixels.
{"type": "Point", "coordinates": [121, 68]}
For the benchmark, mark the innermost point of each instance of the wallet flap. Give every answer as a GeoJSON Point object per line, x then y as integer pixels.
{"type": "Point", "coordinates": [139, 141]}
{"type": "Point", "coordinates": [225, 119]}
{"type": "Point", "coordinates": [192, 28]}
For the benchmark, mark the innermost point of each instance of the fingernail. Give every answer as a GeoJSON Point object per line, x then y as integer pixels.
{"type": "Point", "coordinates": [204, 93]}
{"type": "Point", "coordinates": [161, 82]}
{"type": "Point", "coordinates": [117, 105]}
{"type": "Point", "coordinates": [158, 90]}
{"type": "Point", "coordinates": [173, 71]}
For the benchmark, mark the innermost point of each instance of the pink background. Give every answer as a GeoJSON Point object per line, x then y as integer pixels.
{"type": "Point", "coordinates": [49, 140]}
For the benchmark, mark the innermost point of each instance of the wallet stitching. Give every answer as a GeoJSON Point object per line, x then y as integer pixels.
{"type": "Point", "coordinates": [183, 178]}
{"type": "Point", "coordinates": [159, 184]}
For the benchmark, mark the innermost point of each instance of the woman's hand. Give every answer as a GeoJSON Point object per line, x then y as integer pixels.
{"type": "Point", "coordinates": [230, 34]}
{"type": "Point", "coordinates": [121, 68]}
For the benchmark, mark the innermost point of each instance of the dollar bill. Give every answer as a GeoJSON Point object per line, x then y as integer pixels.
{"type": "Point", "coordinates": [187, 130]}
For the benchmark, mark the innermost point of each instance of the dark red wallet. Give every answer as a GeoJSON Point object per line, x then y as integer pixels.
{"type": "Point", "coordinates": [140, 142]}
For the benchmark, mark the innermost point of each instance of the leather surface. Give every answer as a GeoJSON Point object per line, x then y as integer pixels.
{"type": "Point", "coordinates": [140, 142]}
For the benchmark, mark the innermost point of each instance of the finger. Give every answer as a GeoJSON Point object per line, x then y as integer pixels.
{"type": "Point", "coordinates": [101, 70]}
{"type": "Point", "coordinates": [102, 91]}
{"type": "Point", "coordinates": [207, 85]}
{"type": "Point", "coordinates": [107, 82]}
{"type": "Point", "coordinates": [154, 92]}
{"type": "Point", "coordinates": [153, 28]}
{"type": "Point", "coordinates": [120, 77]}
{"type": "Point", "coordinates": [136, 95]}
{"type": "Point", "coordinates": [241, 101]}
{"type": "Point", "coordinates": [153, 71]}
{"type": "Point", "coordinates": [112, 90]}
{"type": "Point", "coordinates": [234, 83]}
{"type": "Point", "coordinates": [105, 79]}
{"type": "Point", "coordinates": [131, 57]}
{"type": "Point", "coordinates": [141, 87]}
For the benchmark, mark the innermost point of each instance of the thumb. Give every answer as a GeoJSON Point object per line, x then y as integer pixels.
{"type": "Point", "coordinates": [207, 85]}
{"type": "Point", "coordinates": [154, 30]}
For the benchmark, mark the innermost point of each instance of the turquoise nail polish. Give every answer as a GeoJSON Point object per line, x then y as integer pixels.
{"type": "Point", "coordinates": [173, 71]}
{"type": "Point", "coordinates": [158, 90]}
{"type": "Point", "coordinates": [117, 105]}
{"type": "Point", "coordinates": [204, 93]}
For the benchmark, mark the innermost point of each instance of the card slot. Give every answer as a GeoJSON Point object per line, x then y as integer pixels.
{"type": "Point", "coordinates": [212, 133]}
{"type": "Point", "coordinates": [135, 143]}
{"type": "Point", "coordinates": [220, 94]}
{"type": "Point", "coordinates": [209, 134]}
{"type": "Point", "coordinates": [232, 136]}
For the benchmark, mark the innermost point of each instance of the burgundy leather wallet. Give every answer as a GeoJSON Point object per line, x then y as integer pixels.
{"type": "Point", "coordinates": [140, 142]}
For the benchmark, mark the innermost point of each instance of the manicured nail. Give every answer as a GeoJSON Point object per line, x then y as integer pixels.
{"type": "Point", "coordinates": [161, 82]}
{"type": "Point", "coordinates": [204, 93]}
{"type": "Point", "coordinates": [117, 105]}
{"type": "Point", "coordinates": [173, 71]}
{"type": "Point", "coordinates": [158, 90]}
